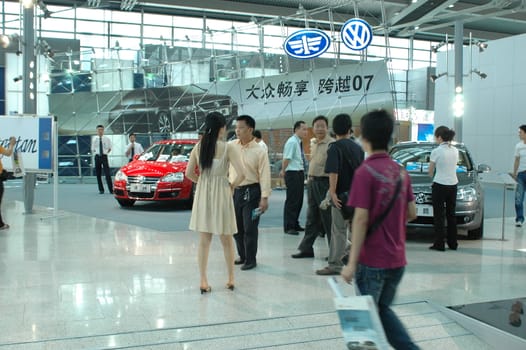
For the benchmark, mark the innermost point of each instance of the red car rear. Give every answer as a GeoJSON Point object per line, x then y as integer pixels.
{"type": "Point", "coordinates": [156, 175]}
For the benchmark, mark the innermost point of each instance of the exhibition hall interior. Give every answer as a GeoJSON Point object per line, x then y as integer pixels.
{"type": "Point", "coordinates": [109, 262]}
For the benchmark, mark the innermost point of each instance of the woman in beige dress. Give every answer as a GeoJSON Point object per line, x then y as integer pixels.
{"type": "Point", "coordinates": [213, 208]}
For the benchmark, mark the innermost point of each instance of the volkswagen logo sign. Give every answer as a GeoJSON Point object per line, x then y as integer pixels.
{"type": "Point", "coordinates": [307, 43]}
{"type": "Point", "coordinates": [420, 198]}
{"type": "Point", "coordinates": [356, 34]}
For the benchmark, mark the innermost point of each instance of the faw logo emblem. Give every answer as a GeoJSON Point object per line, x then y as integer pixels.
{"type": "Point", "coordinates": [356, 34]}
{"type": "Point", "coordinates": [307, 43]}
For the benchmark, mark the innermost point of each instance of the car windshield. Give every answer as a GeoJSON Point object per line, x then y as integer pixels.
{"type": "Point", "coordinates": [415, 158]}
{"type": "Point", "coordinates": [167, 153]}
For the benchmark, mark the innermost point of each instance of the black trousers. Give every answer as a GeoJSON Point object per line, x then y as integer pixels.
{"type": "Point", "coordinates": [444, 202]}
{"type": "Point", "coordinates": [2, 223]}
{"type": "Point", "coordinates": [246, 199]}
{"type": "Point", "coordinates": [294, 180]}
{"type": "Point", "coordinates": [318, 220]}
{"type": "Point", "coordinates": [102, 163]}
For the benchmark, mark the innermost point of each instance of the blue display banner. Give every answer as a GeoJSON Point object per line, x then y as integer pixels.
{"type": "Point", "coordinates": [45, 146]}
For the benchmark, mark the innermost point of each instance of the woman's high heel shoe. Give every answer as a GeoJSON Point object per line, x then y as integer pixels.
{"type": "Point", "coordinates": [230, 286]}
{"type": "Point", "coordinates": [206, 290]}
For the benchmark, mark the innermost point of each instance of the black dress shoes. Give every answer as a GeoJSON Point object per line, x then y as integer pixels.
{"type": "Point", "coordinates": [439, 248]}
{"type": "Point", "coordinates": [301, 255]}
{"type": "Point", "coordinates": [101, 192]}
{"type": "Point", "coordinates": [239, 261]}
{"type": "Point", "coordinates": [248, 266]}
{"type": "Point", "coordinates": [300, 229]}
{"type": "Point", "coordinates": [292, 232]}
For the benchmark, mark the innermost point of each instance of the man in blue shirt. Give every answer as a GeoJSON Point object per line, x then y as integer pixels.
{"type": "Point", "coordinates": [293, 169]}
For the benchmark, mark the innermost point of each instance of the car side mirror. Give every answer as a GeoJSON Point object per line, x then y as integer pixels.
{"type": "Point", "coordinates": [483, 168]}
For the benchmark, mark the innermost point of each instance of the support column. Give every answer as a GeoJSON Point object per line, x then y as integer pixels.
{"type": "Point", "coordinates": [29, 92]}
{"type": "Point", "coordinates": [459, 77]}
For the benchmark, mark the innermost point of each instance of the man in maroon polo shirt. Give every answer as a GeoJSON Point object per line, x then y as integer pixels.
{"type": "Point", "coordinates": [377, 260]}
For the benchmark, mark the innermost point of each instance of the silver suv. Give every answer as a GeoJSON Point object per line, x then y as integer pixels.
{"type": "Point", "coordinates": [414, 156]}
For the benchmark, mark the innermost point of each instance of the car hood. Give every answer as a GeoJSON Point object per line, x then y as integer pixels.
{"type": "Point", "coordinates": [153, 169]}
{"type": "Point", "coordinates": [420, 179]}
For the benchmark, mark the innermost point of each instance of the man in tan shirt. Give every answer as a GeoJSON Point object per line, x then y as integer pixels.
{"type": "Point", "coordinates": [251, 197]}
{"type": "Point", "coordinates": [318, 220]}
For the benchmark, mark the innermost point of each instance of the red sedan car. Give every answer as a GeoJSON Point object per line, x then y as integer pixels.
{"type": "Point", "coordinates": [156, 175]}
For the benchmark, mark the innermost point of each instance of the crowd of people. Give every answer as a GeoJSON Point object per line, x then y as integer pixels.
{"type": "Point", "coordinates": [360, 203]}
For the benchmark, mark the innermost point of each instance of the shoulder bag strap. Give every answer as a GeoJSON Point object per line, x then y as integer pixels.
{"type": "Point", "coordinates": [382, 217]}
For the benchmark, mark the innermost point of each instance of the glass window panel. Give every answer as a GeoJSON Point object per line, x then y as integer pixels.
{"type": "Point", "coordinates": [155, 32]}
{"type": "Point", "coordinates": [126, 17]}
{"type": "Point", "coordinates": [88, 13]}
{"type": "Point", "coordinates": [187, 22]}
{"type": "Point", "coordinates": [97, 41]}
{"type": "Point", "coordinates": [161, 20]}
{"type": "Point", "coordinates": [217, 24]}
{"type": "Point", "coordinates": [193, 34]}
{"type": "Point", "coordinates": [126, 43]}
{"type": "Point", "coordinates": [398, 53]}
{"type": "Point", "coordinates": [126, 29]}
{"type": "Point", "coordinates": [398, 64]}
{"type": "Point", "coordinates": [91, 27]}
{"type": "Point", "coordinates": [420, 64]}
{"type": "Point", "coordinates": [421, 55]}
{"type": "Point", "coordinates": [55, 34]}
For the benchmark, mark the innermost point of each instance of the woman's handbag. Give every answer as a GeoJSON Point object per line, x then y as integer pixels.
{"type": "Point", "coordinates": [4, 175]}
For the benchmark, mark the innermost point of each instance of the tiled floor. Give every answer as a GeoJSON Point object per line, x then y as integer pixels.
{"type": "Point", "coordinates": [77, 282]}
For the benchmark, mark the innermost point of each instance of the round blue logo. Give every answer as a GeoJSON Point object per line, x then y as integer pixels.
{"type": "Point", "coordinates": [307, 43]}
{"type": "Point", "coordinates": [357, 34]}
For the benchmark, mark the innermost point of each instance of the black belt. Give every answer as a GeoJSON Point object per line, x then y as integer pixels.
{"type": "Point", "coordinates": [294, 171]}
{"type": "Point", "coordinates": [247, 186]}
{"type": "Point", "coordinates": [319, 178]}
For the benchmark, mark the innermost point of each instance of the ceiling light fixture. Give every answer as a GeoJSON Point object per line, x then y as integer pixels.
{"type": "Point", "coordinates": [434, 77]}
{"type": "Point", "coordinates": [435, 48]}
{"type": "Point", "coordinates": [482, 75]}
{"type": "Point", "coordinates": [481, 45]}
{"type": "Point", "coordinates": [44, 9]}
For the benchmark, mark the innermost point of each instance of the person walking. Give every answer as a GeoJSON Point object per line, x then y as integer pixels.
{"type": "Point", "coordinates": [101, 147]}
{"type": "Point", "coordinates": [318, 220]}
{"type": "Point", "coordinates": [251, 196]}
{"type": "Point", "coordinates": [133, 148]}
{"type": "Point", "coordinates": [293, 169]}
{"type": "Point", "coordinates": [5, 152]}
{"type": "Point", "coordinates": [519, 174]}
{"type": "Point", "coordinates": [213, 206]}
{"type": "Point", "coordinates": [377, 259]}
{"type": "Point", "coordinates": [343, 158]}
{"type": "Point", "coordinates": [443, 168]}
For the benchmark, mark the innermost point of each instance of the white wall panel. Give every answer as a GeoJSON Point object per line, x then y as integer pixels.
{"type": "Point", "coordinates": [495, 106]}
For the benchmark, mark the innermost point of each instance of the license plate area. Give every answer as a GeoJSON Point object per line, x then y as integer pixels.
{"type": "Point", "coordinates": [143, 188]}
{"type": "Point", "coordinates": [424, 210]}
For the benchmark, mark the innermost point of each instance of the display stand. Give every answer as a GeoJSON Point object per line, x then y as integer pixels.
{"type": "Point", "coordinates": [507, 183]}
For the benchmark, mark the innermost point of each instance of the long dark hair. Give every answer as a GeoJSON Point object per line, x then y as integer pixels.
{"type": "Point", "coordinates": [214, 122]}
{"type": "Point", "coordinates": [445, 133]}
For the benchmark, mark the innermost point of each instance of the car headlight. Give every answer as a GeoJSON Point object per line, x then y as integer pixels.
{"type": "Point", "coordinates": [121, 176]}
{"type": "Point", "coordinates": [466, 194]}
{"type": "Point", "coordinates": [173, 177]}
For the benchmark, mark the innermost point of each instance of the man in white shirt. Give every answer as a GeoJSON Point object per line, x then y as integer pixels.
{"type": "Point", "coordinates": [259, 140]}
{"type": "Point", "coordinates": [133, 148]}
{"type": "Point", "coordinates": [519, 174]}
{"type": "Point", "coordinates": [101, 147]}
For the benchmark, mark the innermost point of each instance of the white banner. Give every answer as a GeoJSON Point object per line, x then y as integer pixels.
{"type": "Point", "coordinates": [33, 141]}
